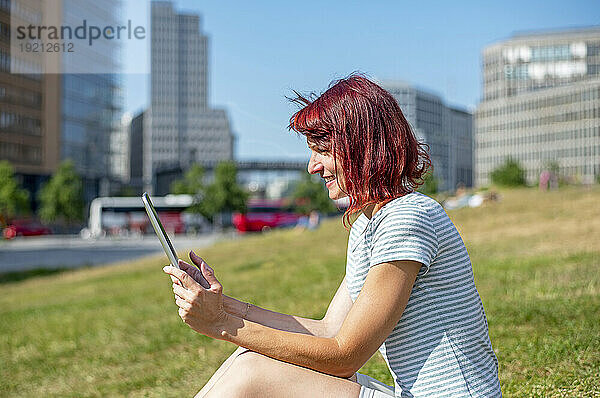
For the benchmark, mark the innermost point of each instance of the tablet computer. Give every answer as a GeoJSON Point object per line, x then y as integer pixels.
{"type": "Point", "coordinates": [160, 231]}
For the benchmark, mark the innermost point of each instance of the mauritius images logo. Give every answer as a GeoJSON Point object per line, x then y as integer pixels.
{"type": "Point", "coordinates": [85, 31]}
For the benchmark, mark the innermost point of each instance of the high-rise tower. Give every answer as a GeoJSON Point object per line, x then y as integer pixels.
{"type": "Point", "coordinates": [180, 128]}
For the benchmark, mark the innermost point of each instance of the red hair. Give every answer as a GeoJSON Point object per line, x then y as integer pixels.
{"type": "Point", "coordinates": [367, 133]}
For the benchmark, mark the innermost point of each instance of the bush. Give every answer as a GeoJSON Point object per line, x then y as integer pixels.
{"type": "Point", "coordinates": [310, 195]}
{"type": "Point", "coordinates": [224, 195]}
{"type": "Point", "coordinates": [13, 199]}
{"type": "Point", "coordinates": [192, 183]}
{"type": "Point", "coordinates": [61, 198]}
{"type": "Point", "coordinates": [510, 174]}
{"type": "Point", "coordinates": [430, 184]}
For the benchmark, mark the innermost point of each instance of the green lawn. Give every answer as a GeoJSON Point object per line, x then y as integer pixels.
{"type": "Point", "coordinates": [115, 330]}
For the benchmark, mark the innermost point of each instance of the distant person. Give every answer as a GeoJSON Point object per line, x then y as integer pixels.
{"type": "Point", "coordinates": [408, 289]}
{"type": "Point", "coordinates": [302, 222]}
{"type": "Point", "coordinates": [313, 219]}
{"type": "Point", "coordinates": [310, 221]}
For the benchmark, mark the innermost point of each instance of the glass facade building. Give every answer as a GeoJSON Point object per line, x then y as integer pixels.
{"type": "Point", "coordinates": [91, 111]}
{"type": "Point", "coordinates": [91, 104]}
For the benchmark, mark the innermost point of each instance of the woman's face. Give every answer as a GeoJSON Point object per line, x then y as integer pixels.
{"type": "Point", "coordinates": [322, 162]}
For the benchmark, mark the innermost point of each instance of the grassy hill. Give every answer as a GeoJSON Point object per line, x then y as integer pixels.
{"type": "Point", "coordinates": [115, 330]}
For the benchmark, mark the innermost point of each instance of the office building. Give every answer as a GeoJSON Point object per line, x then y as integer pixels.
{"type": "Point", "coordinates": [459, 127]}
{"type": "Point", "coordinates": [29, 112]}
{"type": "Point", "coordinates": [447, 131]}
{"type": "Point", "coordinates": [180, 128]}
{"type": "Point", "coordinates": [541, 105]}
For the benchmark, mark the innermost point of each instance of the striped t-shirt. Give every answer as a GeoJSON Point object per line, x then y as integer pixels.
{"type": "Point", "coordinates": [440, 347]}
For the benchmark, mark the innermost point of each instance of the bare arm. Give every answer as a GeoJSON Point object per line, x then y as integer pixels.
{"type": "Point", "coordinates": [387, 288]}
{"type": "Point", "coordinates": [272, 319]}
{"type": "Point", "coordinates": [326, 327]}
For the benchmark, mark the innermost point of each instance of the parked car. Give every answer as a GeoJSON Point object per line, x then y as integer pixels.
{"type": "Point", "coordinates": [24, 227]}
{"type": "Point", "coordinates": [263, 215]}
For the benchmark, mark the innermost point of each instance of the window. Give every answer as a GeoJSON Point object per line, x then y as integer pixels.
{"type": "Point", "coordinates": [4, 61]}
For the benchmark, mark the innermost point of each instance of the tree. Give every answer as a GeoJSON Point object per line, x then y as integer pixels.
{"type": "Point", "coordinates": [310, 195]}
{"type": "Point", "coordinates": [224, 194]}
{"type": "Point", "coordinates": [430, 184]}
{"type": "Point", "coordinates": [192, 183]}
{"type": "Point", "coordinates": [13, 199]}
{"type": "Point", "coordinates": [510, 174]}
{"type": "Point", "coordinates": [61, 198]}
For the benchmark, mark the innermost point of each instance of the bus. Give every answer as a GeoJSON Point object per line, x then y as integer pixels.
{"type": "Point", "coordinates": [126, 215]}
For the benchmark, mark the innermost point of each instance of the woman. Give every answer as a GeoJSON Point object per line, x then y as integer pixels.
{"type": "Point", "coordinates": [408, 289]}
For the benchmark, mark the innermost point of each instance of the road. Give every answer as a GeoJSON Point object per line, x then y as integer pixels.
{"type": "Point", "coordinates": [51, 252]}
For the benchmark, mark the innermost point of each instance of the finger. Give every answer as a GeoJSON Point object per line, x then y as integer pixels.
{"type": "Point", "coordinates": [195, 272]}
{"type": "Point", "coordinates": [186, 280]}
{"type": "Point", "coordinates": [182, 314]}
{"type": "Point", "coordinates": [183, 292]}
{"type": "Point", "coordinates": [195, 258]}
{"type": "Point", "coordinates": [210, 277]}
{"type": "Point", "coordinates": [185, 266]}
{"type": "Point", "coordinates": [182, 304]}
{"type": "Point", "coordinates": [173, 279]}
{"type": "Point", "coordinates": [198, 262]}
{"type": "Point", "coordinates": [177, 296]}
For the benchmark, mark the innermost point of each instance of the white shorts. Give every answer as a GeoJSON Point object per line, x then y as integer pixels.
{"type": "Point", "coordinates": [373, 388]}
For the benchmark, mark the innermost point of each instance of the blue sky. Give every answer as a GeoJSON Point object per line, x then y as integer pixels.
{"type": "Point", "coordinates": [259, 51]}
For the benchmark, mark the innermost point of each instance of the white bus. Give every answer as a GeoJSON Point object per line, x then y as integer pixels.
{"type": "Point", "coordinates": [124, 215]}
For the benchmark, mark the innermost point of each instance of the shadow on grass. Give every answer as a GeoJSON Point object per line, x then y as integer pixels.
{"type": "Point", "coordinates": [11, 277]}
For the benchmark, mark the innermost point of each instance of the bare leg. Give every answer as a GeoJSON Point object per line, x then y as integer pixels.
{"type": "Point", "coordinates": [255, 375]}
{"type": "Point", "coordinates": [222, 369]}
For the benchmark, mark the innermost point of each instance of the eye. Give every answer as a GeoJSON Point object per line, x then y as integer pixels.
{"type": "Point", "coordinates": [320, 151]}
{"type": "Point", "coordinates": [322, 148]}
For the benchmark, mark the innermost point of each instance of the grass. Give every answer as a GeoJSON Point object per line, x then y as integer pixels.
{"type": "Point", "coordinates": [114, 331]}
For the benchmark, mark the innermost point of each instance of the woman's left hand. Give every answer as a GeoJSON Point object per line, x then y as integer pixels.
{"type": "Point", "coordinates": [202, 309]}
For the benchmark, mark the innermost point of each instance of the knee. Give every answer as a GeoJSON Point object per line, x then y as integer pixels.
{"type": "Point", "coordinates": [250, 365]}
{"type": "Point", "coordinates": [248, 373]}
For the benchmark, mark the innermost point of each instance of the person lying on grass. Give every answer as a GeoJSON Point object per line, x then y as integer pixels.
{"type": "Point", "coordinates": [408, 289]}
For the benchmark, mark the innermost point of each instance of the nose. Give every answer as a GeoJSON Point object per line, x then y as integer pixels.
{"type": "Point", "coordinates": [314, 166]}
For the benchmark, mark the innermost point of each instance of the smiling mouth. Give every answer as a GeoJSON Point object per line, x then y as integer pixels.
{"type": "Point", "coordinates": [328, 179]}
